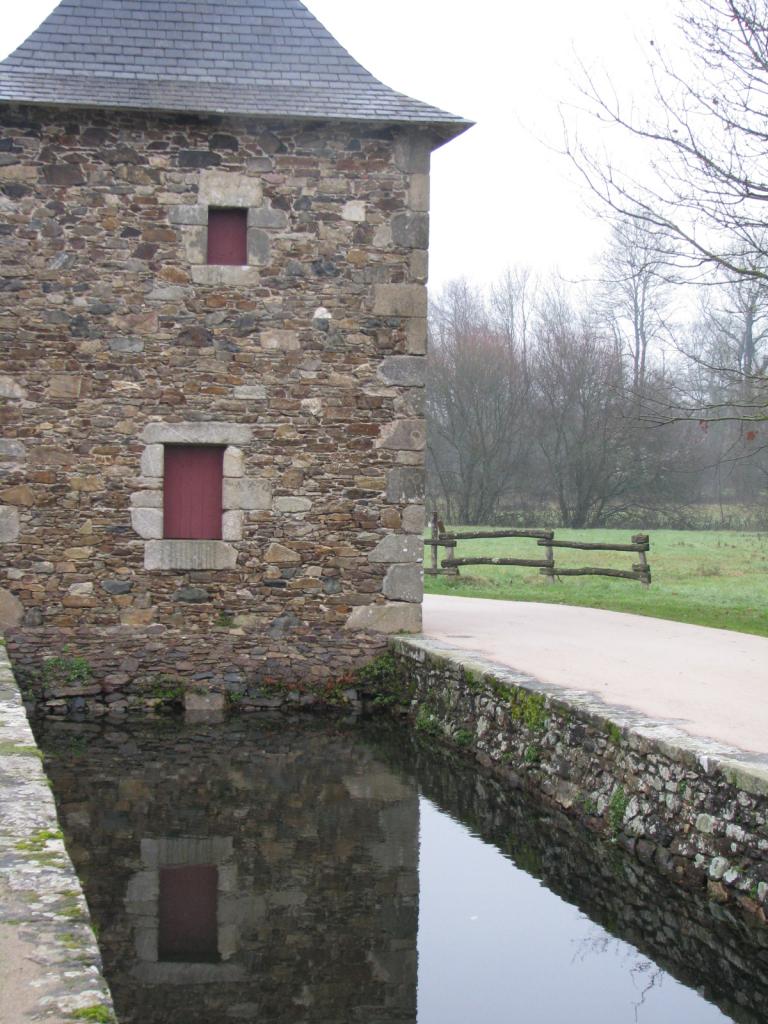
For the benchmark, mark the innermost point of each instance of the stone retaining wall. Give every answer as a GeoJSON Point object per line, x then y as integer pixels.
{"type": "Point", "coordinates": [50, 966]}
{"type": "Point", "coordinates": [115, 671]}
{"type": "Point", "coordinates": [695, 810]}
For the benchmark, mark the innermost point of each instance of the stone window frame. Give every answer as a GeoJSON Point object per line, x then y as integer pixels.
{"type": "Point", "coordinates": [142, 904]}
{"type": "Point", "coordinates": [147, 501]}
{"type": "Point", "coordinates": [227, 190]}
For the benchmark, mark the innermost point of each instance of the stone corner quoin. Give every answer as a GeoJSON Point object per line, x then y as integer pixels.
{"type": "Point", "coordinates": [306, 367]}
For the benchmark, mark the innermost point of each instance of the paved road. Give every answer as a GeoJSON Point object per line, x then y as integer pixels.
{"type": "Point", "coordinates": [711, 682]}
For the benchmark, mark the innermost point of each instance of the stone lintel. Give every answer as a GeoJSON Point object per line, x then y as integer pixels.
{"type": "Point", "coordinates": [196, 433]}
{"type": "Point", "coordinates": [229, 188]}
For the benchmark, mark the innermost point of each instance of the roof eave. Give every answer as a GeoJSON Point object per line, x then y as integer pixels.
{"type": "Point", "coordinates": [444, 131]}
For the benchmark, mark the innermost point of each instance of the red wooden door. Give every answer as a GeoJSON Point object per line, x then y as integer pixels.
{"type": "Point", "coordinates": [189, 928]}
{"type": "Point", "coordinates": [228, 237]}
{"type": "Point", "coordinates": [192, 492]}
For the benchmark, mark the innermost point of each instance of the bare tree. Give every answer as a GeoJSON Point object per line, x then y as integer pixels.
{"type": "Point", "coordinates": [634, 295]}
{"type": "Point", "coordinates": [580, 430]}
{"type": "Point", "coordinates": [477, 436]}
{"type": "Point", "coordinates": [705, 182]}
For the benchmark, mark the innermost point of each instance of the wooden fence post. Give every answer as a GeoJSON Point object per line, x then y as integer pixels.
{"type": "Point", "coordinates": [549, 555]}
{"type": "Point", "coordinates": [435, 567]}
{"type": "Point", "coordinates": [642, 566]}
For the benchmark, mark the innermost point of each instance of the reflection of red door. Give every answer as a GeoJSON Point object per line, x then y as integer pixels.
{"type": "Point", "coordinates": [188, 914]}
{"type": "Point", "coordinates": [192, 492]}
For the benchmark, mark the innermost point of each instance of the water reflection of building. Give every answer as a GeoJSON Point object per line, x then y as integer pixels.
{"type": "Point", "coordinates": [244, 874]}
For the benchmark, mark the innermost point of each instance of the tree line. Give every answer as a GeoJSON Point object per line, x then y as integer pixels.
{"type": "Point", "coordinates": [599, 404]}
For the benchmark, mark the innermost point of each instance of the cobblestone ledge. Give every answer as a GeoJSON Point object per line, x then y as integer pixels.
{"type": "Point", "coordinates": [694, 809]}
{"type": "Point", "coordinates": [50, 967]}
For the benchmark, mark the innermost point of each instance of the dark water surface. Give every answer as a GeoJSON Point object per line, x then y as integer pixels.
{"type": "Point", "coordinates": [289, 871]}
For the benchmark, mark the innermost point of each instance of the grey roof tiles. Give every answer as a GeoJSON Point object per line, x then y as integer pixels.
{"type": "Point", "coordinates": [269, 57]}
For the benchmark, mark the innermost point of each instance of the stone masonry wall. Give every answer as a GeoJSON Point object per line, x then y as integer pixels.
{"type": "Point", "coordinates": [307, 365]}
{"type": "Point", "coordinates": [696, 812]}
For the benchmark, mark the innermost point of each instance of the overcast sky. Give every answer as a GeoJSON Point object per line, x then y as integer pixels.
{"type": "Point", "coordinates": [500, 196]}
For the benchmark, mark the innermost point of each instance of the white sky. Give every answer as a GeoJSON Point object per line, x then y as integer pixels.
{"type": "Point", "coordinates": [500, 196]}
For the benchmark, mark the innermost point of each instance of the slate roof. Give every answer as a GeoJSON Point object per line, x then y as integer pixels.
{"type": "Point", "coordinates": [269, 57]}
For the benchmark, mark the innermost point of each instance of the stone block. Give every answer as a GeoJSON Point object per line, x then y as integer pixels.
{"type": "Point", "coordinates": [147, 522]}
{"type": "Point", "coordinates": [143, 887]}
{"type": "Point", "coordinates": [404, 583]}
{"type": "Point", "coordinates": [80, 589]}
{"type": "Point", "coordinates": [189, 554]}
{"type": "Point", "coordinates": [65, 385]}
{"type": "Point", "coordinates": [250, 392]}
{"type": "Point", "coordinates": [196, 433]}
{"type": "Point", "coordinates": [419, 264]}
{"type": "Point", "coordinates": [11, 610]}
{"type": "Point", "coordinates": [232, 525]}
{"type": "Point", "coordinates": [382, 236]}
{"type": "Point", "coordinates": [20, 495]}
{"type": "Point", "coordinates": [229, 188]}
{"type": "Point", "coordinates": [405, 484]}
{"type": "Point", "coordinates": [403, 435]}
{"type": "Point", "coordinates": [400, 300]}
{"type": "Point", "coordinates": [412, 152]}
{"type": "Point", "coordinates": [414, 519]}
{"type": "Point", "coordinates": [416, 337]}
{"type": "Point", "coordinates": [312, 406]}
{"type": "Point", "coordinates": [9, 524]}
{"type": "Point", "coordinates": [278, 554]}
{"type": "Point", "coordinates": [418, 193]}
{"type": "Point", "coordinates": [127, 346]}
{"type": "Point", "coordinates": [76, 554]}
{"type": "Point", "coordinates": [404, 371]}
{"type": "Point", "coordinates": [410, 230]}
{"type": "Point", "coordinates": [194, 215]}
{"type": "Point", "coordinates": [145, 943]}
{"type": "Point", "coordinates": [252, 493]}
{"type": "Point", "coordinates": [292, 503]}
{"type": "Point", "coordinates": [234, 462]}
{"type": "Point", "coordinates": [284, 341]}
{"type": "Point", "coordinates": [116, 587]}
{"type": "Point", "coordinates": [191, 595]}
{"type": "Point", "coordinates": [266, 217]}
{"type": "Point", "coordinates": [259, 247]}
{"type": "Point", "coordinates": [11, 450]}
{"type": "Point", "coordinates": [394, 617]}
{"type": "Point", "coordinates": [147, 499]}
{"type": "Point", "coordinates": [398, 547]}
{"type": "Point", "coordinates": [354, 211]}
{"type": "Point", "coordinates": [152, 460]}
{"type": "Point", "coordinates": [195, 240]}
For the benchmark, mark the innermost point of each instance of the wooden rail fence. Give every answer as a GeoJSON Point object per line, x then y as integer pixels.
{"type": "Point", "coordinates": [449, 566]}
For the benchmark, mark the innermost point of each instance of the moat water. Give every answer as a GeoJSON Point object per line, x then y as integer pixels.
{"type": "Point", "coordinates": [286, 871]}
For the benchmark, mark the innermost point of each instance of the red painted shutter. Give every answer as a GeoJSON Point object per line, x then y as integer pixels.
{"type": "Point", "coordinates": [188, 914]}
{"type": "Point", "coordinates": [192, 492]}
{"type": "Point", "coordinates": [228, 237]}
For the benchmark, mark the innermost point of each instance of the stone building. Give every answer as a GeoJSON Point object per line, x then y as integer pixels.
{"type": "Point", "coordinates": [213, 264]}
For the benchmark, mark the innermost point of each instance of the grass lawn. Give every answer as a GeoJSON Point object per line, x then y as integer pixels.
{"type": "Point", "coordinates": [708, 577]}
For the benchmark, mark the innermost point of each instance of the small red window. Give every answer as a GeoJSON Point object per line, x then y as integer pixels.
{"type": "Point", "coordinates": [192, 498]}
{"type": "Point", "coordinates": [228, 237]}
{"type": "Point", "coordinates": [188, 914]}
